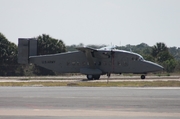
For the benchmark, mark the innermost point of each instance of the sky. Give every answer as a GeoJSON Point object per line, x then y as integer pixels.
{"type": "Point", "coordinates": [117, 22]}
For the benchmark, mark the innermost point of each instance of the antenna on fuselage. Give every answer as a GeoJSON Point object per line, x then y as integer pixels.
{"type": "Point", "coordinates": [120, 46]}
{"type": "Point", "coordinates": [130, 48]}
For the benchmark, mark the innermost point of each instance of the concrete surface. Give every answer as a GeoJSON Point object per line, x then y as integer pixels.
{"type": "Point", "coordinates": [89, 102]}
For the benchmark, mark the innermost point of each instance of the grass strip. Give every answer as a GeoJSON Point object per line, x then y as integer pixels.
{"type": "Point", "coordinates": [97, 84]}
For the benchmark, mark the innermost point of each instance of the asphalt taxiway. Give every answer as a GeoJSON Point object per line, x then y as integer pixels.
{"type": "Point", "coordinates": [89, 102]}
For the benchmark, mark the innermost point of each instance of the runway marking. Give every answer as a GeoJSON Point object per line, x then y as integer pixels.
{"type": "Point", "coordinates": [66, 112]}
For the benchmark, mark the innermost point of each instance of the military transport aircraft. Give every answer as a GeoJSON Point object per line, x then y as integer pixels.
{"type": "Point", "coordinates": [88, 61]}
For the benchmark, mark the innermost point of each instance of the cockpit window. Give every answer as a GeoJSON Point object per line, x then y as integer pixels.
{"type": "Point", "coordinates": [141, 59]}
{"type": "Point", "coordinates": [137, 58]}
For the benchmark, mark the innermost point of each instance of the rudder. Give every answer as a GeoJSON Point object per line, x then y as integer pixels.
{"type": "Point", "coordinates": [26, 47]}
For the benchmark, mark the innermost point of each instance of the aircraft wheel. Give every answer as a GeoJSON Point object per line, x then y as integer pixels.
{"type": "Point", "coordinates": [143, 76]}
{"type": "Point", "coordinates": [96, 77]}
{"type": "Point", "coordinates": [108, 74]}
{"type": "Point", "coordinates": [90, 77]}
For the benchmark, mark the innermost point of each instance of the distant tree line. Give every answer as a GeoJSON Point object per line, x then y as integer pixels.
{"type": "Point", "coordinates": [159, 53]}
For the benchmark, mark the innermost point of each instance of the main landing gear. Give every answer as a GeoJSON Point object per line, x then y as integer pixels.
{"type": "Point", "coordinates": [143, 76]}
{"type": "Point", "coordinates": [108, 75]}
{"type": "Point", "coordinates": [91, 77]}
{"type": "Point", "coordinates": [96, 77]}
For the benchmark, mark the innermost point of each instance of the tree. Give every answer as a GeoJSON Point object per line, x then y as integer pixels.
{"type": "Point", "coordinates": [47, 45]}
{"type": "Point", "coordinates": [160, 52]}
{"type": "Point", "coordinates": [169, 65]}
{"type": "Point", "coordinates": [177, 68]}
{"type": "Point", "coordinates": [161, 55]}
{"type": "Point", "coordinates": [8, 58]}
{"type": "Point", "coordinates": [158, 48]}
{"type": "Point", "coordinates": [175, 51]}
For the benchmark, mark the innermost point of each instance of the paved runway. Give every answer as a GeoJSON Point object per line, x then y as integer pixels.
{"type": "Point", "coordinates": [79, 78]}
{"type": "Point", "coordinates": [89, 102]}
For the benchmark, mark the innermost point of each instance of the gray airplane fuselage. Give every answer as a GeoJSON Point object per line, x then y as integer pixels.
{"type": "Point", "coordinates": [119, 62]}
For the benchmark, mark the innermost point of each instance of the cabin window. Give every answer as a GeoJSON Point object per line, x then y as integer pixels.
{"type": "Point", "coordinates": [135, 59]}
{"type": "Point", "coordinates": [140, 58]}
{"type": "Point", "coordinates": [94, 63]}
{"type": "Point", "coordinates": [73, 63]}
{"type": "Point", "coordinates": [119, 63]}
{"type": "Point", "coordinates": [97, 63]}
{"type": "Point", "coordinates": [84, 63]}
{"type": "Point", "coordinates": [68, 63]}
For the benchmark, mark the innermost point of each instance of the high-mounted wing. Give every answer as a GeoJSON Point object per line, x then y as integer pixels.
{"type": "Point", "coordinates": [89, 52]}
{"type": "Point", "coordinates": [84, 49]}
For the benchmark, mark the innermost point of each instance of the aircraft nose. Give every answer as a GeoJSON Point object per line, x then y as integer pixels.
{"type": "Point", "coordinates": [159, 67]}
{"type": "Point", "coordinates": [153, 67]}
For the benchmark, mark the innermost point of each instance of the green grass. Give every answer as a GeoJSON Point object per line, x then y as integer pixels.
{"type": "Point", "coordinates": [98, 84]}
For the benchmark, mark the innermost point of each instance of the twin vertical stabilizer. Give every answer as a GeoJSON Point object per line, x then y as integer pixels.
{"type": "Point", "coordinates": [26, 47]}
